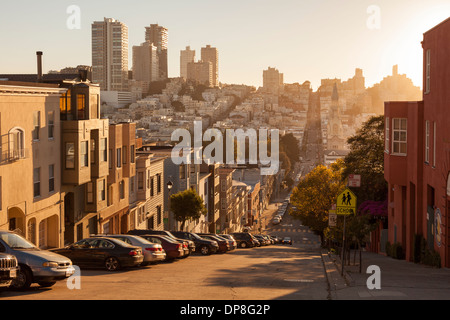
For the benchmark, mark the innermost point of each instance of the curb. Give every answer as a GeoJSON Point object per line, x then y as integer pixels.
{"type": "Point", "coordinates": [335, 280]}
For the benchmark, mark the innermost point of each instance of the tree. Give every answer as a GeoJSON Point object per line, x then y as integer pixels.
{"type": "Point", "coordinates": [315, 194]}
{"type": "Point", "coordinates": [366, 157]}
{"type": "Point", "coordinates": [187, 205]}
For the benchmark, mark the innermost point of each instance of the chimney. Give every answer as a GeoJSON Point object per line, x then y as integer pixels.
{"type": "Point", "coordinates": [83, 74]}
{"type": "Point", "coordinates": [39, 66]}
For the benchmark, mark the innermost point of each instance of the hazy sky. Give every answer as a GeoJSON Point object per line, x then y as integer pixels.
{"type": "Point", "coordinates": [304, 39]}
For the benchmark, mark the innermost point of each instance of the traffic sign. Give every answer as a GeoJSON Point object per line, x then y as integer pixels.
{"type": "Point", "coordinates": [354, 180]}
{"type": "Point", "coordinates": [346, 203]}
{"type": "Point", "coordinates": [332, 218]}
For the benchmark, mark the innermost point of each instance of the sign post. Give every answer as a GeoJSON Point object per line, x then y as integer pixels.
{"type": "Point", "coordinates": [346, 205]}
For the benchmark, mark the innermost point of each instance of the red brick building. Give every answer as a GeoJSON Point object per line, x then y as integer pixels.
{"type": "Point", "coordinates": [417, 155]}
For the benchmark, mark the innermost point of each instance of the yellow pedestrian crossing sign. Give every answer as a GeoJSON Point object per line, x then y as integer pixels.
{"type": "Point", "coordinates": [346, 203]}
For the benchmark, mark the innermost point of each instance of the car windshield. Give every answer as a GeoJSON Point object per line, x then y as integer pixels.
{"type": "Point", "coordinates": [14, 241]}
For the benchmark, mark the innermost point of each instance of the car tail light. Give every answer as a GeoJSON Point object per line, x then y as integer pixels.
{"type": "Point", "coordinates": [133, 253]}
{"type": "Point", "coordinates": [152, 249]}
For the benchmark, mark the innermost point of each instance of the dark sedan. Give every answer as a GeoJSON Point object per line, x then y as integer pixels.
{"type": "Point", "coordinates": [223, 243]}
{"type": "Point", "coordinates": [202, 245]}
{"type": "Point", "coordinates": [173, 248]}
{"type": "Point", "coordinates": [188, 246]}
{"type": "Point", "coordinates": [109, 253]}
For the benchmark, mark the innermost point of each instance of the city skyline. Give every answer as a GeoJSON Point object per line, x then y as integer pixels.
{"type": "Point", "coordinates": [304, 41]}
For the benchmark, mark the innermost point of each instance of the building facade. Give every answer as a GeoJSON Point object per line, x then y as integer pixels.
{"type": "Point", "coordinates": [110, 55]}
{"type": "Point", "coordinates": [186, 56]}
{"type": "Point", "coordinates": [200, 72]}
{"type": "Point", "coordinates": [211, 54]}
{"type": "Point", "coordinates": [159, 36]}
{"type": "Point", "coordinates": [417, 165]}
{"type": "Point", "coordinates": [30, 163]}
{"type": "Point", "coordinates": [145, 63]}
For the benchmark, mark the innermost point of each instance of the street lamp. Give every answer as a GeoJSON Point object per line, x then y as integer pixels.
{"type": "Point", "coordinates": [169, 187]}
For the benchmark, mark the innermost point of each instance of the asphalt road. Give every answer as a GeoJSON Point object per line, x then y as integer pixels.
{"type": "Point", "coordinates": [273, 272]}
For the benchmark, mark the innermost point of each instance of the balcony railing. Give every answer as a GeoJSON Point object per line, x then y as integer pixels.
{"type": "Point", "coordinates": [14, 155]}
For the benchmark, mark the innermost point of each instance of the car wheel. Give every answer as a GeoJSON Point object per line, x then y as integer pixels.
{"type": "Point", "coordinates": [112, 264]}
{"type": "Point", "coordinates": [23, 279]}
{"type": "Point", "coordinates": [243, 244]}
{"type": "Point", "coordinates": [205, 250]}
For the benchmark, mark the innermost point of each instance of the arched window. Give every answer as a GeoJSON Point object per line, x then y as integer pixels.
{"type": "Point", "coordinates": [16, 143]}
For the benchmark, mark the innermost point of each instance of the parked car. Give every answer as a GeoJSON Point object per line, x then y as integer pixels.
{"type": "Point", "coordinates": [202, 245]}
{"type": "Point", "coordinates": [173, 248]}
{"type": "Point", "coordinates": [153, 252]}
{"type": "Point", "coordinates": [231, 241]}
{"type": "Point", "coordinates": [223, 243]}
{"type": "Point", "coordinates": [263, 241]}
{"type": "Point", "coordinates": [276, 220]}
{"type": "Point", "coordinates": [35, 265]}
{"type": "Point", "coordinates": [286, 240]}
{"type": "Point", "coordinates": [9, 268]}
{"type": "Point", "coordinates": [189, 246]}
{"type": "Point", "coordinates": [244, 239]}
{"type": "Point", "coordinates": [276, 239]}
{"type": "Point", "coordinates": [109, 253]}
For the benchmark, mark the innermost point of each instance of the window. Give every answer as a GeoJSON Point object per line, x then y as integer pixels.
{"type": "Point", "coordinates": [124, 153]}
{"type": "Point", "coordinates": [122, 189]}
{"type": "Point", "coordinates": [92, 151]}
{"type": "Point", "coordinates": [37, 182]}
{"type": "Point", "coordinates": [399, 133]}
{"type": "Point", "coordinates": [428, 71]}
{"type": "Point", "coordinates": [103, 150]}
{"type": "Point", "coordinates": [81, 106]}
{"type": "Point", "coordinates": [434, 144]}
{"type": "Point", "coordinates": [51, 178]}
{"type": "Point", "coordinates": [84, 158]}
{"type": "Point", "coordinates": [119, 157]}
{"type": "Point", "coordinates": [427, 141]}
{"type": "Point", "coordinates": [152, 188]}
{"type": "Point", "coordinates": [132, 154]}
{"type": "Point", "coordinates": [101, 190]}
{"type": "Point", "coordinates": [36, 125]}
{"type": "Point", "coordinates": [51, 124]}
{"type": "Point", "coordinates": [140, 181]}
{"type": "Point", "coordinates": [386, 136]}
{"type": "Point", "coordinates": [182, 171]}
{"type": "Point", "coordinates": [158, 183]}
{"type": "Point", "coordinates": [70, 155]}
{"type": "Point", "coordinates": [17, 150]}
{"type": "Point", "coordinates": [90, 192]}
{"type": "Point", "coordinates": [159, 215]}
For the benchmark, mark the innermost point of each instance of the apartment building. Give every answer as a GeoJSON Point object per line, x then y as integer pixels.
{"type": "Point", "coordinates": [201, 72]}
{"type": "Point", "coordinates": [159, 36]}
{"type": "Point", "coordinates": [84, 158]}
{"type": "Point", "coordinates": [226, 200]}
{"type": "Point", "coordinates": [114, 218]}
{"type": "Point", "coordinates": [186, 56]}
{"type": "Point", "coordinates": [211, 54]}
{"type": "Point", "coordinates": [30, 161]}
{"type": "Point", "coordinates": [147, 189]}
{"type": "Point", "coordinates": [110, 55]}
{"type": "Point", "coordinates": [417, 166]}
{"type": "Point", "coordinates": [273, 81]}
{"type": "Point", "coordinates": [145, 63]}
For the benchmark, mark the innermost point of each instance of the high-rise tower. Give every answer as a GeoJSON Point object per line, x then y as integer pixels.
{"type": "Point", "coordinates": [211, 54]}
{"type": "Point", "coordinates": [159, 36]}
{"type": "Point", "coordinates": [110, 55]}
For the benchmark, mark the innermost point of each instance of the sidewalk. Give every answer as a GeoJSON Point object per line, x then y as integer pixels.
{"type": "Point", "coordinates": [400, 280]}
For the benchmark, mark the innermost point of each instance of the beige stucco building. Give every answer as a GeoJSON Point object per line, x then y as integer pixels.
{"type": "Point", "coordinates": [30, 164]}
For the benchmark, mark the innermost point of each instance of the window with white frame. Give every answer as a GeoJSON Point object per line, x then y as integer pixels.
{"type": "Point", "coordinates": [36, 182]}
{"type": "Point", "coordinates": [399, 136]}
